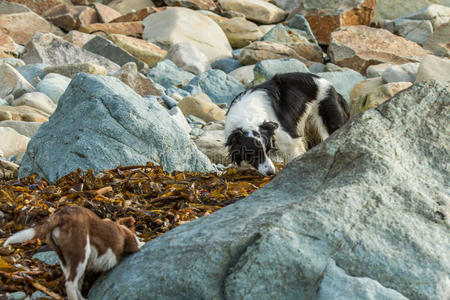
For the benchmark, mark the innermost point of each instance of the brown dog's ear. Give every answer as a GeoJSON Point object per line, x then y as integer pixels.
{"type": "Point", "coordinates": [127, 222]}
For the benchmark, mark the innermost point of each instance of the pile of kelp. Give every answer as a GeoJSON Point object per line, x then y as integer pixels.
{"type": "Point", "coordinates": [159, 201]}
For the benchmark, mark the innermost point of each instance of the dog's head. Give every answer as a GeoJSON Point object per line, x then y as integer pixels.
{"type": "Point", "coordinates": [132, 243]}
{"type": "Point", "coordinates": [128, 222]}
{"type": "Point", "coordinates": [253, 146]}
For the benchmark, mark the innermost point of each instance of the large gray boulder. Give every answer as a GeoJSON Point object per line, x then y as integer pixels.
{"type": "Point", "coordinates": [369, 207]}
{"type": "Point", "coordinates": [102, 123]}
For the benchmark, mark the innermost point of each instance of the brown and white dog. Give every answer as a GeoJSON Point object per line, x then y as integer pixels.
{"type": "Point", "coordinates": [83, 242]}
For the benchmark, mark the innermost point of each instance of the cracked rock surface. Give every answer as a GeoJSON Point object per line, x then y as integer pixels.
{"type": "Point", "coordinates": [101, 123]}
{"type": "Point", "coordinates": [367, 209]}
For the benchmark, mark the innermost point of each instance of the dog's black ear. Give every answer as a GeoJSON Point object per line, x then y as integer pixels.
{"type": "Point", "coordinates": [269, 126]}
{"type": "Point", "coordinates": [235, 137]}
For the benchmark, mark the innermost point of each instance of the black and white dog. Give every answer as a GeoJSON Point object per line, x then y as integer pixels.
{"type": "Point", "coordinates": [287, 112]}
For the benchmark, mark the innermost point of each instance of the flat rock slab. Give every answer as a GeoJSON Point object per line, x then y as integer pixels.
{"type": "Point", "coordinates": [358, 47]}
{"type": "Point", "coordinates": [131, 28]}
{"type": "Point", "coordinates": [104, 47]}
{"type": "Point", "coordinates": [49, 49]}
{"type": "Point", "coordinates": [359, 202]}
{"type": "Point", "coordinates": [142, 50]}
{"type": "Point", "coordinates": [101, 123]}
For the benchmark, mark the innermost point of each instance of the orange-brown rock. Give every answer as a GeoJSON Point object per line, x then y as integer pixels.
{"type": "Point", "coordinates": [139, 15]}
{"type": "Point", "coordinates": [358, 47]}
{"type": "Point", "coordinates": [309, 51]}
{"type": "Point", "coordinates": [324, 21]}
{"type": "Point", "coordinates": [141, 49]}
{"type": "Point", "coordinates": [69, 17]}
{"type": "Point", "coordinates": [40, 6]}
{"type": "Point", "coordinates": [7, 46]}
{"type": "Point", "coordinates": [128, 28]}
{"type": "Point", "coordinates": [106, 14]}
{"type": "Point", "coordinates": [22, 26]}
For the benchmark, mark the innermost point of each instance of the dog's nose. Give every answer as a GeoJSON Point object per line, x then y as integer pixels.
{"type": "Point", "coordinates": [270, 173]}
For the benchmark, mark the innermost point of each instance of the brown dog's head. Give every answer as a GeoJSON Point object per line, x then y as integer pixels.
{"type": "Point", "coordinates": [128, 222]}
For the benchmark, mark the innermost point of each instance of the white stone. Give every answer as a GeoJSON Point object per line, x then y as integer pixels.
{"type": "Point", "coordinates": [188, 57]}
{"type": "Point", "coordinates": [377, 70]}
{"type": "Point", "coordinates": [178, 24]}
{"type": "Point", "coordinates": [12, 82]}
{"type": "Point", "coordinates": [255, 10]}
{"type": "Point", "coordinates": [37, 100]}
{"type": "Point", "coordinates": [244, 75]}
{"type": "Point", "coordinates": [25, 128]}
{"type": "Point", "coordinates": [401, 73]}
{"type": "Point", "coordinates": [433, 67]}
{"type": "Point", "coordinates": [53, 85]}
{"type": "Point", "coordinates": [212, 143]}
{"type": "Point", "coordinates": [13, 143]}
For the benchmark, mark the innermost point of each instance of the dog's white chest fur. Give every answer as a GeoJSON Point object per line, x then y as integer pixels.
{"type": "Point", "coordinates": [104, 262]}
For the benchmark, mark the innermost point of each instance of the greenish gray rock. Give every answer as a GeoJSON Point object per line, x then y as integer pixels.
{"type": "Point", "coordinates": [16, 295]}
{"type": "Point", "coordinates": [226, 64]}
{"type": "Point", "coordinates": [343, 81]}
{"type": "Point", "coordinates": [219, 86]}
{"type": "Point", "coordinates": [53, 85]}
{"type": "Point", "coordinates": [299, 22]}
{"type": "Point", "coordinates": [101, 123]}
{"type": "Point", "coordinates": [437, 14]}
{"type": "Point", "coordinates": [266, 69]}
{"type": "Point", "coordinates": [414, 30]}
{"type": "Point", "coordinates": [338, 285]}
{"type": "Point", "coordinates": [168, 74]}
{"type": "Point", "coordinates": [33, 73]}
{"type": "Point", "coordinates": [283, 35]}
{"type": "Point", "coordinates": [360, 199]}
{"type": "Point", "coordinates": [48, 257]}
{"type": "Point", "coordinates": [390, 10]}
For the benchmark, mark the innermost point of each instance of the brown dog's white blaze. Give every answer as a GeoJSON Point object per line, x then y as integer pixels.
{"type": "Point", "coordinates": [83, 242]}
